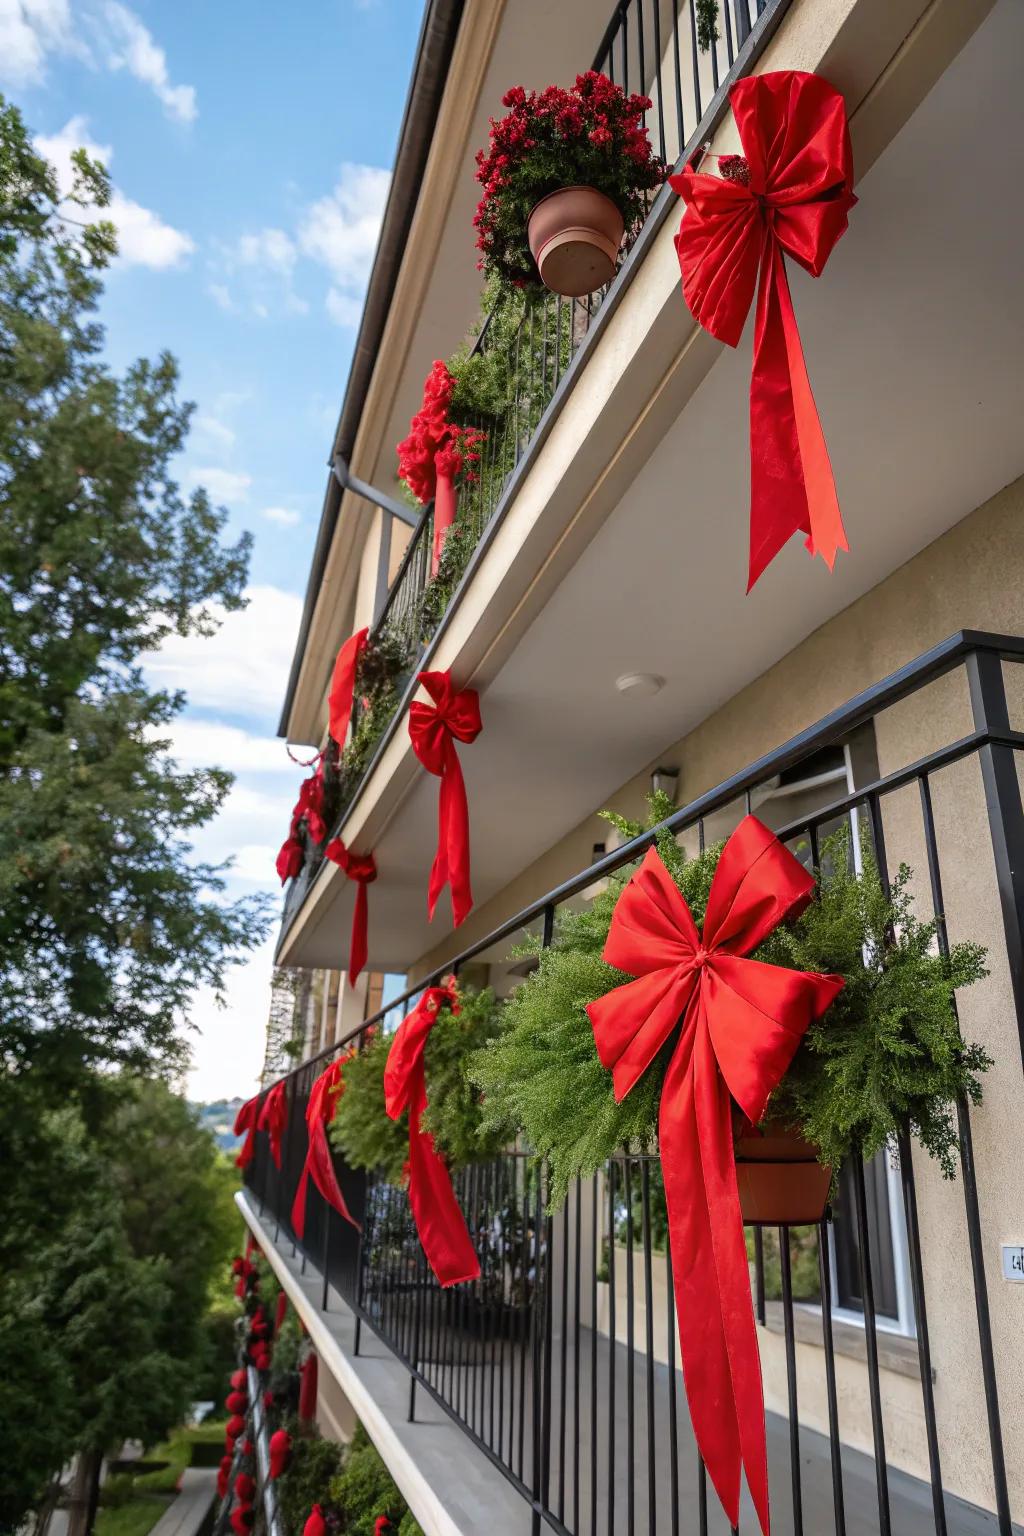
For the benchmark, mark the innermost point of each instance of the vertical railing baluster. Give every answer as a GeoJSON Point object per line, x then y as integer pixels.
{"type": "Point", "coordinates": [785, 1266]}
{"type": "Point", "coordinates": [834, 1443]}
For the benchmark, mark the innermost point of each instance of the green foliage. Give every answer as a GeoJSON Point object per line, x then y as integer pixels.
{"type": "Point", "coordinates": [137, 1517]}
{"type": "Point", "coordinates": [706, 12]}
{"type": "Point", "coordinates": [364, 1490]}
{"type": "Point", "coordinates": [379, 677]}
{"type": "Point", "coordinates": [314, 1465]}
{"type": "Point", "coordinates": [888, 1051]}
{"type": "Point", "coordinates": [109, 1238]}
{"type": "Point", "coordinates": [366, 1136]}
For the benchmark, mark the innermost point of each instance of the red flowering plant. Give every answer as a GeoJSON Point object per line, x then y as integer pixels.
{"type": "Point", "coordinates": [591, 135]}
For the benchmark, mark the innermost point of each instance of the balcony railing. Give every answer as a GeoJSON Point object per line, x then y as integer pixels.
{"type": "Point", "coordinates": [561, 1362]}
{"type": "Point", "coordinates": [649, 46]}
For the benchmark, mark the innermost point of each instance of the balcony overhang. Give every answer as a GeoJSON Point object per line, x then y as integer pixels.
{"type": "Point", "coordinates": [623, 548]}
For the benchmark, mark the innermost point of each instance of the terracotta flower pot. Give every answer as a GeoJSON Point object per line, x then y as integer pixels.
{"type": "Point", "coordinates": [780, 1181]}
{"type": "Point", "coordinates": [574, 236]}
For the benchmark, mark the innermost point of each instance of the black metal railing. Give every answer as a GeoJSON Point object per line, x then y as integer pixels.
{"type": "Point", "coordinates": [649, 46]}
{"type": "Point", "coordinates": [561, 1361]}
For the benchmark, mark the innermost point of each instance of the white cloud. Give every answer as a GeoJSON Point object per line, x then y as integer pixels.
{"type": "Point", "coordinates": [221, 296]}
{"type": "Point", "coordinates": [214, 433]}
{"type": "Point", "coordinates": [144, 239]}
{"type": "Point", "coordinates": [29, 31]}
{"type": "Point", "coordinates": [224, 485]}
{"type": "Point", "coordinates": [267, 248]}
{"type": "Point", "coordinates": [340, 232]}
{"type": "Point", "coordinates": [287, 517]}
{"type": "Point", "coordinates": [214, 744]}
{"type": "Point", "coordinates": [242, 670]}
{"type": "Point", "coordinates": [228, 1042]}
{"type": "Point", "coordinates": [131, 46]}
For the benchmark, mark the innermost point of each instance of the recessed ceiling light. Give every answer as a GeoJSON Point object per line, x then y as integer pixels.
{"type": "Point", "coordinates": [643, 684]}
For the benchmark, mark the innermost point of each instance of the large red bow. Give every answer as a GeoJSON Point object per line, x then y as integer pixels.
{"type": "Point", "coordinates": [343, 685]}
{"type": "Point", "coordinates": [800, 167]}
{"type": "Point", "coordinates": [434, 730]}
{"type": "Point", "coordinates": [439, 1221]}
{"type": "Point", "coordinates": [741, 1024]}
{"type": "Point", "coordinates": [362, 868]}
{"type": "Point", "coordinates": [246, 1120]}
{"type": "Point", "coordinates": [273, 1119]}
{"type": "Point", "coordinates": [319, 1166]}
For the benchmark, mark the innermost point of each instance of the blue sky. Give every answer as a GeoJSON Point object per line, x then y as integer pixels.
{"type": "Point", "coordinates": [249, 146]}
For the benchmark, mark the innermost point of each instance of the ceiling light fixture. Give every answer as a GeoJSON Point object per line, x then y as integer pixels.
{"type": "Point", "coordinates": [643, 684]}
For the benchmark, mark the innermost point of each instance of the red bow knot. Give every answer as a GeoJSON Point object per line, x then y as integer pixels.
{"type": "Point", "coordinates": [246, 1121]}
{"type": "Point", "coordinates": [742, 1022]}
{"type": "Point", "coordinates": [796, 142]}
{"type": "Point", "coordinates": [319, 1165]}
{"type": "Point", "coordinates": [343, 684]}
{"type": "Point", "coordinates": [434, 730]}
{"type": "Point", "coordinates": [439, 1221]}
{"type": "Point", "coordinates": [362, 868]}
{"type": "Point", "coordinates": [273, 1119]}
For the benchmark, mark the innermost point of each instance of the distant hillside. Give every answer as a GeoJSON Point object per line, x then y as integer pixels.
{"type": "Point", "coordinates": [218, 1118]}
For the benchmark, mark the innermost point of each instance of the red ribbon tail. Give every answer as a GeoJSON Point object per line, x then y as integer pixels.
{"type": "Point", "coordinates": [439, 1220]}
{"type": "Point", "coordinates": [451, 863]}
{"type": "Point", "coordinates": [299, 1203]}
{"type": "Point", "coordinates": [359, 947]}
{"type": "Point", "coordinates": [445, 506]}
{"type": "Point", "coordinates": [343, 682]}
{"type": "Point", "coordinates": [717, 1336]}
{"type": "Point", "coordinates": [791, 482]}
{"type": "Point", "coordinates": [321, 1168]}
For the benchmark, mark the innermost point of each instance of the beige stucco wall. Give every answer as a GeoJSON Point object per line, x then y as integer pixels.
{"type": "Point", "coordinates": [972, 577]}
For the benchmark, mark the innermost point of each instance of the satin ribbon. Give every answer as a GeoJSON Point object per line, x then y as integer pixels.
{"type": "Point", "coordinates": [343, 685]}
{"type": "Point", "coordinates": [434, 730]}
{"type": "Point", "coordinates": [439, 1221]}
{"type": "Point", "coordinates": [319, 1166]}
{"type": "Point", "coordinates": [742, 1022]}
{"type": "Point", "coordinates": [308, 1378]}
{"type": "Point", "coordinates": [280, 1452]}
{"type": "Point", "coordinates": [447, 465]}
{"type": "Point", "coordinates": [289, 858]}
{"type": "Point", "coordinates": [273, 1118]}
{"type": "Point", "coordinates": [796, 142]}
{"type": "Point", "coordinates": [362, 868]}
{"type": "Point", "coordinates": [246, 1120]}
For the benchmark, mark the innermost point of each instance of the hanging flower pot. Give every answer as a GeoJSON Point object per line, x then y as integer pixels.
{"type": "Point", "coordinates": [593, 139]}
{"type": "Point", "coordinates": [779, 1178]}
{"type": "Point", "coordinates": [574, 237]}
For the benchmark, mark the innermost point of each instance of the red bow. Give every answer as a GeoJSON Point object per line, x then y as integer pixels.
{"type": "Point", "coordinates": [289, 858]}
{"type": "Point", "coordinates": [323, 1102]}
{"type": "Point", "coordinates": [273, 1119]}
{"type": "Point", "coordinates": [309, 1373]}
{"type": "Point", "coordinates": [800, 166]}
{"type": "Point", "coordinates": [245, 1487]}
{"type": "Point", "coordinates": [245, 1121]}
{"type": "Point", "coordinates": [439, 1221]}
{"type": "Point", "coordinates": [434, 730]}
{"type": "Point", "coordinates": [343, 684]}
{"type": "Point", "coordinates": [362, 868]}
{"type": "Point", "coordinates": [315, 1524]}
{"type": "Point", "coordinates": [741, 1024]}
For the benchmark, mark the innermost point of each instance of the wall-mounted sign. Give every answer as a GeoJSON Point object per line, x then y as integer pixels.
{"type": "Point", "coordinates": [1013, 1261]}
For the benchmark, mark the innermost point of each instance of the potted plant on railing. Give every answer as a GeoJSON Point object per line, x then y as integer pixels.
{"type": "Point", "coordinates": [566, 175]}
{"type": "Point", "coordinates": [888, 1053]}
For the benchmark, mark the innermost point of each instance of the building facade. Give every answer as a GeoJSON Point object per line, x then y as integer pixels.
{"type": "Point", "coordinates": [602, 617]}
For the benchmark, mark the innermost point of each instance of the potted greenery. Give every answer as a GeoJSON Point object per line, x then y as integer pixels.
{"type": "Point", "coordinates": [888, 1052]}
{"type": "Point", "coordinates": [566, 174]}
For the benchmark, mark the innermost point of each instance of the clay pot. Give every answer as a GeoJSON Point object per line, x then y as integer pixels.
{"type": "Point", "coordinates": [780, 1181]}
{"type": "Point", "coordinates": [574, 236]}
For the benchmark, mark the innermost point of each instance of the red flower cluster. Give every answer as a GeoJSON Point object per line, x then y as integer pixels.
{"type": "Point", "coordinates": [308, 808]}
{"type": "Point", "coordinates": [436, 445]}
{"type": "Point", "coordinates": [591, 135]}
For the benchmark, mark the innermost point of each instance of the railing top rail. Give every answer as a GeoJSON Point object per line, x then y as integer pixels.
{"type": "Point", "coordinates": [931, 665]}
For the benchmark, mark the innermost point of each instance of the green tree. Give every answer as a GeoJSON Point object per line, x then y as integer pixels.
{"type": "Point", "coordinates": [114, 1238]}
{"type": "Point", "coordinates": [107, 923]}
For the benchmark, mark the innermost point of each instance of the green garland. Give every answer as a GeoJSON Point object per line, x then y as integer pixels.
{"type": "Point", "coordinates": [365, 1135]}
{"type": "Point", "coordinates": [888, 1051]}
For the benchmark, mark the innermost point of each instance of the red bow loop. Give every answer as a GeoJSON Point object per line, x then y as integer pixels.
{"type": "Point", "coordinates": [246, 1120]}
{"type": "Point", "coordinates": [319, 1165]}
{"type": "Point", "coordinates": [741, 1023]}
{"type": "Point", "coordinates": [362, 868]}
{"type": "Point", "coordinates": [796, 144]}
{"type": "Point", "coordinates": [439, 1221]}
{"type": "Point", "coordinates": [343, 685]}
{"type": "Point", "coordinates": [433, 730]}
{"type": "Point", "coordinates": [273, 1119]}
